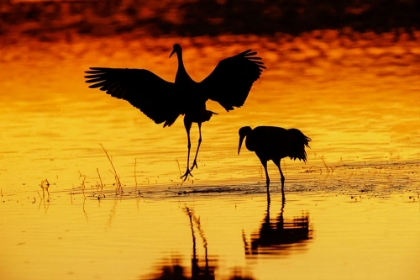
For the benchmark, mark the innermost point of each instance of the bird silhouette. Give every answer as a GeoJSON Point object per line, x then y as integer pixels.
{"type": "Point", "coordinates": [162, 101]}
{"type": "Point", "coordinates": [274, 143]}
{"type": "Point", "coordinates": [278, 235]}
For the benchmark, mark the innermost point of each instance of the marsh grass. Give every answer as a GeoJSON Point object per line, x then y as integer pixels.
{"type": "Point", "coordinates": [101, 185]}
{"type": "Point", "coordinates": [119, 188]}
{"type": "Point", "coordinates": [45, 198]}
{"type": "Point", "coordinates": [319, 176]}
{"type": "Point", "coordinates": [82, 184]}
{"type": "Point", "coordinates": [330, 169]}
{"type": "Point", "coordinates": [45, 185]}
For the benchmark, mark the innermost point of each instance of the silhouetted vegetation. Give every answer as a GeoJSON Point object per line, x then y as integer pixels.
{"type": "Point", "coordinates": [210, 17]}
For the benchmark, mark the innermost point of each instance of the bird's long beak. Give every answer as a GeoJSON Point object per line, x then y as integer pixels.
{"type": "Point", "coordinates": [241, 139]}
{"type": "Point", "coordinates": [173, 51]}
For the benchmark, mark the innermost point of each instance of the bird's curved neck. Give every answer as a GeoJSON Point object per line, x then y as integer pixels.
{"type": "Point", "coordinates": [250, 142]}
{"type": "Point", "coordinates": [181, 74]}
{"type": "Point", "coordinates": [179, 56]}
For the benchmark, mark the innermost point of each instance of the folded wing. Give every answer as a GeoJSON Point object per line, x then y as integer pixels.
{"type": "Point", "coordinates": [232, 79]}
{"type": "Point", "coordinates": [143, 89]}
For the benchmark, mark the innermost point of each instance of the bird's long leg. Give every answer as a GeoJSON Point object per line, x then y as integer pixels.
{"type": "Point", "coordinates": [280, 218]}
{"type": "Point", "coordinates": [283, 198]}
{"type": "Point", "coordinates": [187, 125]}
{"type": "Point", "coordinates": [198, 147]}
{"type": "Point", "coordinates": [267, 179]}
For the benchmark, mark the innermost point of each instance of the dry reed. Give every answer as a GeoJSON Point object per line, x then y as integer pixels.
{"type": "Point", "coordinates": [45, 185]}
{"type": "Point", "coordinates": [101, 185]}
{"type": "Point", "coordinates": [82, 184]}
{"type": "Point", "coordinates": [119, 188]}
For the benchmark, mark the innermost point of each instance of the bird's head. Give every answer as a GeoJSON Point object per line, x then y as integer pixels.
{"type": "Point", "coordinates": [243, 131]}
{"type": "Point", "coordinates": [177, 49]}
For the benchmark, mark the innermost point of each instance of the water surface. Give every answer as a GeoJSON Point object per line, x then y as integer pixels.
{"type": "Point", "coordinates": [356, 96]}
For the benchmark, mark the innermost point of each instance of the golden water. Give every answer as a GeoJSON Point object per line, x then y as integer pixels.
{"type": "Point", "coordinates": [357, 98]}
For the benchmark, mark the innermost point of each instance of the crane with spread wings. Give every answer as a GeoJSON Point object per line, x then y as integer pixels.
{"type": "Point", "coordinates": [162, 101]}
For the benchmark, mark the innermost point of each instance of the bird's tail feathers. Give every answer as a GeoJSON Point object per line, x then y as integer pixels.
{"type": "Point", "coordinates": [299, 141]}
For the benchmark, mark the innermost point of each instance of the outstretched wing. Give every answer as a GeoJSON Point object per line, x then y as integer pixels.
{"type": "Point", "coordinates": [232, 79]}
{"type": "Point", "coordinates": [143, 89]}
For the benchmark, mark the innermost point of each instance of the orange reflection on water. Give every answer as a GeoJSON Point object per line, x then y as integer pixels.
{"type": "Point", "coordinates": [357, 99]}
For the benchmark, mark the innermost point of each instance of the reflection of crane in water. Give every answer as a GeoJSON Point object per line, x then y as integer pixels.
{"type": "Point", "coordinates": [162, 101]}
{"type": "Point", "coordinates": [274, 143]}
{"type": "Point", "coordinates": [276, 236]}
{"type": "Point", "coordinates": [199, 270]}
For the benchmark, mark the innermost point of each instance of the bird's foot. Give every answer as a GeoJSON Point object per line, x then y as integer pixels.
{"type": "Point", "coordinates": [194, 165]}
{"type": "Point", "coordinates": [185, 176]}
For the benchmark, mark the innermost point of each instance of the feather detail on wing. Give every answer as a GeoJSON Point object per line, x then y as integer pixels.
{"type": "Point", "coordinates": [232, 79]}
{"type": "Point", "coordinates": [144, 90]}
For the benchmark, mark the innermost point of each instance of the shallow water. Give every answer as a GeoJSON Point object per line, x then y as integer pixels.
{"type": "Point", "coordinates": [357, 98]}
